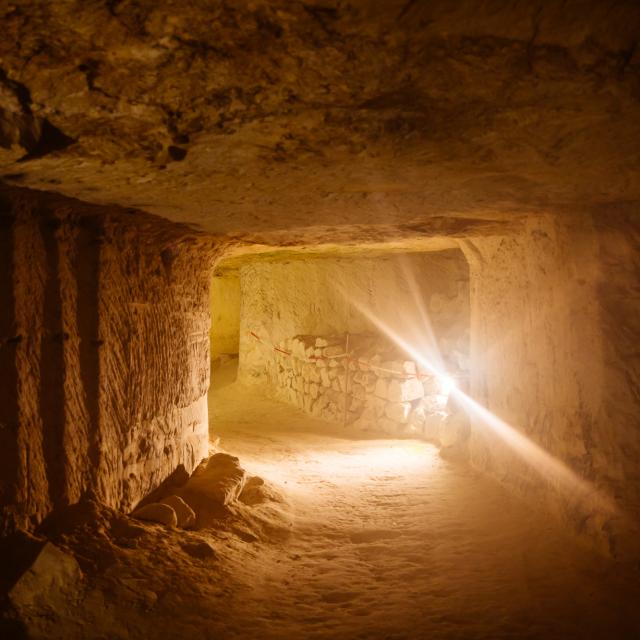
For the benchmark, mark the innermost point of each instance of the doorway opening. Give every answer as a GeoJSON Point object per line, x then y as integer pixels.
{"type": "Point", "coordinates": [370, 343]}
{"type": "Point", "coordinates": [225, 327]}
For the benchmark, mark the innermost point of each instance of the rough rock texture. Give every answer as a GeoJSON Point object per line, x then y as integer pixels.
{"type": "Point", "coordinates": [403, 115]}
{"type": "Point", "coordinates": [49, 582]}
{"type": "Point", "coordinates": [157, 512]}
{"type": "Point", "coordinates": [219, 482]}
{"type": "Point", "coordinates": [281, 299]}
{"type": "Point", "coordinates": [225, 314]}
{"type": "Point", "coordinates": [185, 515]}
{"type": "Point", "coordinates": [554, 310]}
{"type": "Point", "coordinates": [372, 386]}
{"type": "Point", "coordinates": [104, 353]}
{"type": "Point", "coordinates": [512, 127]}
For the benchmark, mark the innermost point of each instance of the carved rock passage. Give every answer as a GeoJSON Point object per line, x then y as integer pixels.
{"type": "Point", "coordinates": [362, 112]}
{"type": "Point", "coordinates": [553, 320]}
{"type": "Point", "coordinates": [104, 354]}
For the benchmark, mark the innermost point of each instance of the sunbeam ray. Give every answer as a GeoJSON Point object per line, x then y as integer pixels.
{"type": "Point", "coordinates": [546, 465]}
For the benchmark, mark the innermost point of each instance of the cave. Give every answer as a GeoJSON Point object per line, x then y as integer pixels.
{"type": "Point", "coordinates": [320, 320]}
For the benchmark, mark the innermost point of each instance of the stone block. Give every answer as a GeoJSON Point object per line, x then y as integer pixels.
{"type": "Point", "coordinates": [398, 411]}
{"type": "Point", "coordinates": [221, 481]}
{"type": "Point", "coordinates": [393, 367]}
{"type": "Point", "coordinates": [357, 391]}
{"type": "Point", "coordinates": [382, 388]}
{"type": "Point", "coordinates": [334, 350]}
{"type": "Point", "coordinates": [156, 512]}
{"type": "Point", "coordinates": [48, 583]}
{"type": "Point", "coordinates": [434, 403]}
{"type": "Point", "coordinates": [409, 367]}
{"type": "Point", "coordinates": [417, 417]}
{"type": "Point", "coordinates": [404, 390]}
{"type": "Point", "coordinates": [200, 549]}
{"type": "Point", "coordinates": [185, 515]}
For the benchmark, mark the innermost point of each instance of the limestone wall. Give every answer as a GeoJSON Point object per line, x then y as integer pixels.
{"type": "Point", "coordinates": [324, 297]}
{"type": "Point", "coordinates": [225, 314]}
{"type": "Point", "coordinates": [103, 354]}
{"type": "Point", "coordinates": [553, 312]}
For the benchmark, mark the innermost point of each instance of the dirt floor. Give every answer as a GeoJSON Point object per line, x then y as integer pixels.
{"type": "Point", "coordinates": [388, 540]}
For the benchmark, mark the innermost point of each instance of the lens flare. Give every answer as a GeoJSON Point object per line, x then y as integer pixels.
{"type": "Point", "coordinates": [550, 468]}
{"type": "Point", "coordinates": [447, 384]}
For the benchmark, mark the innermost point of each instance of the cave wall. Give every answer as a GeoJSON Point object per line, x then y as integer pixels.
{"type": "Point", "coordinates": [104, 354]}
{"type": "Point", "coordinates": [225, 313]}
{"type": "Point", "coordinates": [319, 296]}
{"type": "Point", "coordinates": [554, 327]}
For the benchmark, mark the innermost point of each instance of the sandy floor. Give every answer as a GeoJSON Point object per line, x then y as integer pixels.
{"type": "Point", "coordinates": [388, 540]}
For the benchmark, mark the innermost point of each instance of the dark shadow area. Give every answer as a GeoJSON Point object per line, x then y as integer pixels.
{"type": "Point", "coordinates": [52, 373]}
{"type": "Point", "coordinates": [8, 371]}
{"type": "Point", "coordinates": [51, 139]}
{"type": "Point", "coordinates": [89, 243]}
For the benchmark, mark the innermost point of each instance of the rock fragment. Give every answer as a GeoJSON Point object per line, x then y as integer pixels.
{"type": "Point", "coordinates": [157, 512]}
{"type": "Point", "coordinates": [200, 549]}
{"type": "Point", "coordinates": [185, 515]}
{"type": "Point", "coordinates": [221, 481]}
{"type": "Point", "coordinates": [52, 578]}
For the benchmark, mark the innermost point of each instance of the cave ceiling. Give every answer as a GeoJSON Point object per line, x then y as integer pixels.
{"type": "Point", "coordinates": [258, 119]}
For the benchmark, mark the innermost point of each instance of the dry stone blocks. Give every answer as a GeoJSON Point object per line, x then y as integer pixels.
{"type": "Point", "coordinates": [380, 389]}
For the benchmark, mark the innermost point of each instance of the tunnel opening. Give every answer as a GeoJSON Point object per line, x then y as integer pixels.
{"type": "Point", "coordinates": [317, 332]}
{"type": "Point", "coordinates": [225, 327]}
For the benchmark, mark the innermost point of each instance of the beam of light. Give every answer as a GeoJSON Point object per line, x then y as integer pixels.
{"type": "Point", "coordinates": [531, 453]}
{"type": "Point", "coordinates": [345, 463]}
{"type": "Point", "coordinates": [427, 336]}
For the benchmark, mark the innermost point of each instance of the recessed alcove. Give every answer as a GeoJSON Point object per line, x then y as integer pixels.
{"type": "Point", "coordinates": [368, 341]}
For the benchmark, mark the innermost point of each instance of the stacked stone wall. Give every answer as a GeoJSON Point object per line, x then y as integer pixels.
{"type": "Point", "coordinates": [363, 382]}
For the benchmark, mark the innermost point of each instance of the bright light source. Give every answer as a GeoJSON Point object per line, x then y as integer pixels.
{"type": "Point", "coordinates": [549, 467]}
{"type": "Point", "coordinates": [447, 384]}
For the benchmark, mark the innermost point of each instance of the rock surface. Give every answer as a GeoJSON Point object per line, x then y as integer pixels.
{"type": "Point", "coordinates": [220, 481]}
{"type": "Point", "coordinates": [157, 512]}
{"type": "Point", "coordinates": [185, 515]}
{"type": "Point", "coordinates": [105, 353]}
{"type": "Point", "coordinates": [432, 114]}
{"type": "Point", "coordinates": [53, 578]}
{"type": "Point", "coordinates": [202, 550]}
